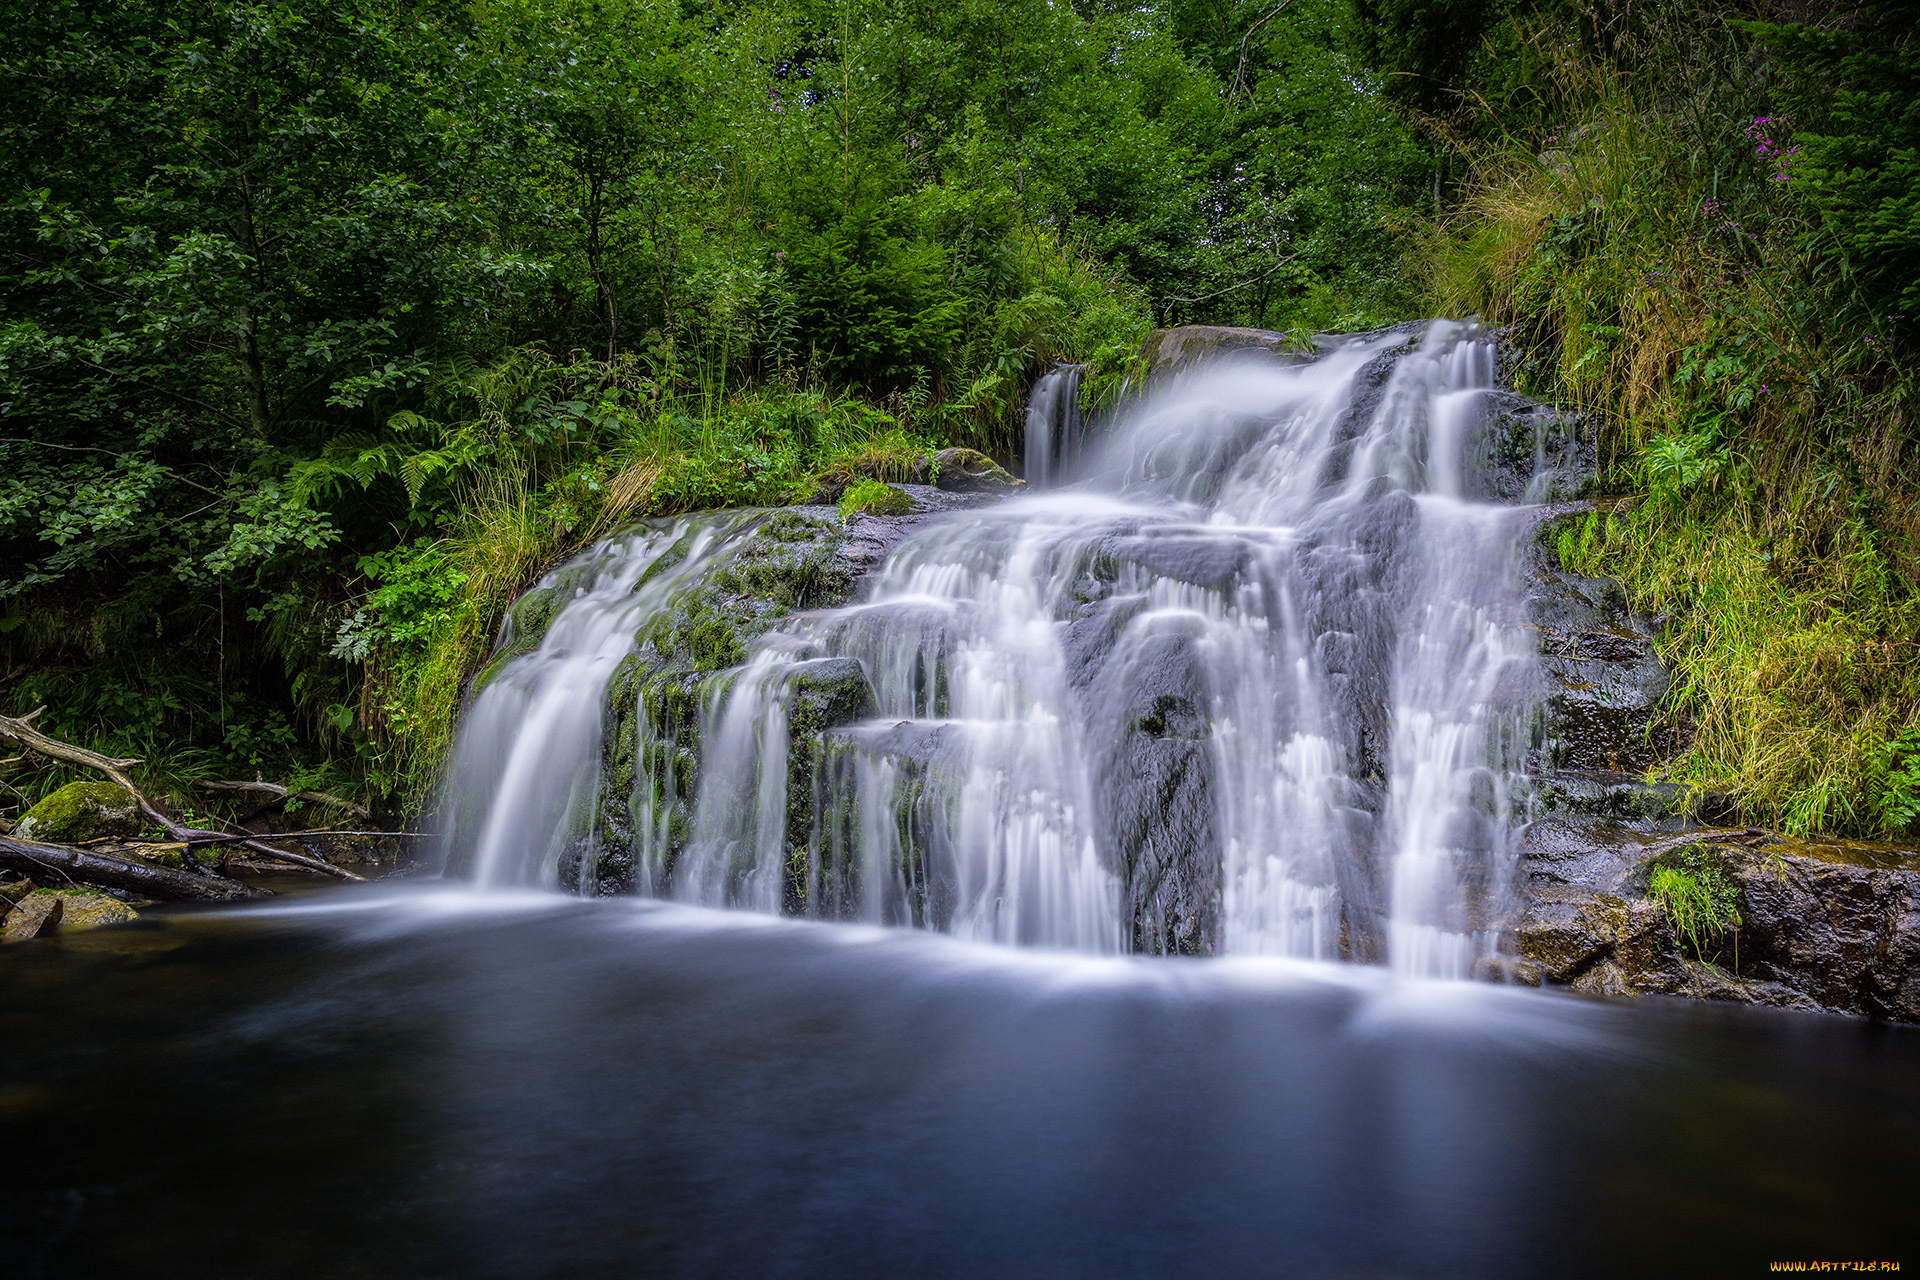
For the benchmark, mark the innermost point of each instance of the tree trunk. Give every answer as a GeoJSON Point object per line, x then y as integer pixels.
{"type": "Point", "coordinates": [112, 871]}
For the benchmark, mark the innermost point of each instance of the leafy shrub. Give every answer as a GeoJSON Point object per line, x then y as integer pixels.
{"type": "Point", "coordinates": [1900, 788]}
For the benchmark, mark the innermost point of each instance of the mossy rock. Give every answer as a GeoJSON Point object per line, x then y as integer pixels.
{"type": "Point", "coordinates": [688, 653]}
{"type": "Point", "coordinates": [786, 563]}
{"type": "Point", "coordinates": [81, 909]}
{"type": "Point", "coordinates": [964, 471]}
{"type": "Point", "coordinates": [825, 693]}
{"type": "Point", "coordinates": [45, 911]}
{"type": "Point", "coordinates": [84, 810]}
{"type": "Point", "coordinates": [1166, 352]}
{"type": "Point", "coordinates": [176, 857]}
{"type": "Point", "coordinates": [875, 498]}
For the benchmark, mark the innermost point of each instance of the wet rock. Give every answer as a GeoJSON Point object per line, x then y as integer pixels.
{"type": "Point", "coordinates": [920, 766]}
{"type": "Point", "coordinates": [688, 652]}
{"type": "Point", "coordinates": [1158, 791]}
{"type": "Point", "coordinates": [1531, 453]}
{"type": "Point", "coordinates": [1610, 794]}
{"type": "Point", "coordinates": [1821, 925]}
{"type": "Point", "coordinates": [1168, 352]}
{"type": "Point", "coordinates": [1203, 559]}
{"type": "Point", "coordinates": [44, 910]}
{"type": "Point", "coordinates": [1598, 726]}
{"type": "Point", "coordinates": [820, 695]}
{"type": "Point", "coordinates": [963, 471]}
{"type": "Point", "coordinates": [1838, 922]}
{"type": "Point", "coordinates": [84, 810]}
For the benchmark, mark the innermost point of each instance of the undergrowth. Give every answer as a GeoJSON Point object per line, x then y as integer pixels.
{"type": "Point", "coordinates": [1654, 262]}
{"type": "Point", "coordinates": [1701, 903]}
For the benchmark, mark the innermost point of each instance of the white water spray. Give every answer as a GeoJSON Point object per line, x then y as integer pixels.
{"type": "Point", "coordinates": [1253, 686]}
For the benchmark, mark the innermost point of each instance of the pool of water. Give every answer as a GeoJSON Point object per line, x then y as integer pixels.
{"type": "Point", "coordinates": [374, 1082]}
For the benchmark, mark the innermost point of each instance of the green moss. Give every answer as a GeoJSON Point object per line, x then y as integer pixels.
{"type": "Point", "coordinates": [84, 810]}
{"type": "Point", "coordinates": [1701, 901]}
{"type": "Point", "coordinates": [874, 497]}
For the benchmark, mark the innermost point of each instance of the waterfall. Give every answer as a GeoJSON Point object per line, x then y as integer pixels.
{"type": "Point", "coordinates": [1053, 425]}
{"type": "Point", "coordinates": [525, 775]}
{"type": "Point", "coordinates": [1256, 685]}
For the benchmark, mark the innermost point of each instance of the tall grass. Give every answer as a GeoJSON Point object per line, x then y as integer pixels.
{"type": "Point", "coordinates": [1652, 271]}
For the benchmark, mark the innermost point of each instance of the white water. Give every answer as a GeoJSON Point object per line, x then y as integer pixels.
{"type": "Point", "coordinates": [1053, 426]}
{"type": "Point", "coordinates": [525, 777]}
{"type": "Point", "coordinates": [1252, 684]}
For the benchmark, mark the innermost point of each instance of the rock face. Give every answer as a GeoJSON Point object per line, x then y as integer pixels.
{"type": "Point", "coordinates": [84, 810]}
{"type": "Point", "coordinates": [1596, 732]}
{"type": "Point", "coordinates": [1821, 925]}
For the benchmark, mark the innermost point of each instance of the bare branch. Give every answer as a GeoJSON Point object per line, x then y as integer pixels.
{"type": "Point", "coordinates": [278, 792]}
{"type": "Point", "coordinates": [20, 732]}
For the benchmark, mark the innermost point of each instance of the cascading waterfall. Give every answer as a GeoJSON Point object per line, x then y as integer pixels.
{"type": "Point", "coordinates": [525, 777]}
{"type": "Point", "coordinates": [1054, 427]}
{"type": "Point", "coordinates": [1256, 684]}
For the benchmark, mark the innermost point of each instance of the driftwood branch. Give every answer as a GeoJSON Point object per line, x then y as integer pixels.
{"type": "Point", "coordinates": [19, 731]}
{"type": "Point", "coordinates": [97, 866]}
{"type": "Point", "coordinates": [308, 835]}
{"type": "Point", "coordinates": [274, 792]}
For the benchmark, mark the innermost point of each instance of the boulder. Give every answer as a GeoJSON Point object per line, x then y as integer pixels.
{"type": "Point", "coordinates": [964, 471]}
{"type": "Point", "coordinates": [1167, 352]}
{"type": "Point", "coordinates": [44, 910]}
{"type": "Point", "coordinates": [84, 810]}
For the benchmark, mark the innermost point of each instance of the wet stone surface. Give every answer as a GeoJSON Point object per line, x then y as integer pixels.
{"type": "Point", "coordinates": [1822, 925]}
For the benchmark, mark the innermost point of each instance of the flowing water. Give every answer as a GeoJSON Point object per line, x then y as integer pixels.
{"type": "Point", "coordinates": [384, 1084]}
{"type": "Point", "coordinates": [1254, 682]}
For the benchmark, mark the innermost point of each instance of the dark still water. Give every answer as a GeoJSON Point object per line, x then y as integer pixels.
{"type": "Point", "coordinates": [424, 1084]}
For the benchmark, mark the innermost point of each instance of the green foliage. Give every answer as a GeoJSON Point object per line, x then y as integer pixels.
{"type": "Point", "coordinates": [1654, 267]}
{"type": "Point", "coordinates": [875, 498]}
{"type": "Point", "coordinates": [325, 326]}
{"type": "Point", "coordinates": [1702, 903]}
{"type": "Point", "coordinates": [1847, 143]}
{"type": "Point", "coordinates": [1900, 786]}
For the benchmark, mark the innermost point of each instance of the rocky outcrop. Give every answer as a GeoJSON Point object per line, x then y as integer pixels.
{"type": "Point", "coordinates": [964, 471]}
{"type": "Point", "coordinates": [1166, 353]}
{"type": "Point", "coordinates": [1813, 924]}
{"type": "Point", "coordinates": [1597, 722]}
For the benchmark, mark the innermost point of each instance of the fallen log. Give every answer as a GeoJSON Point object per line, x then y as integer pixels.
{"type": "Point", "coordinates": [111, 871]}
{"type": "Point", "coordinates": [20, 731]}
